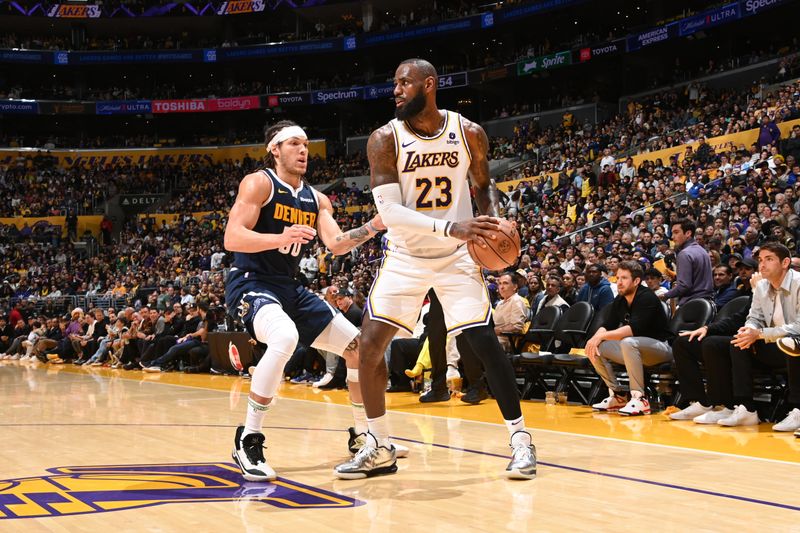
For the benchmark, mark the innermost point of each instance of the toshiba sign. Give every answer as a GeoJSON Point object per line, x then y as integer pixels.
{"type": "Point", "coordinates": [180, 106]}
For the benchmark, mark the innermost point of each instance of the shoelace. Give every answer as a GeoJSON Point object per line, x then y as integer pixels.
{"type": "Point", "coordinates": [255, 450]}
{"type": "Point", "coordinates": [520, 451]}
{"type": "Point", "coordinates": [365, 452]}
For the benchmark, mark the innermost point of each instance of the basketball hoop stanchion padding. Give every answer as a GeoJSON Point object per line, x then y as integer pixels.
{"type": "Point", "coordinates": [230, 360]}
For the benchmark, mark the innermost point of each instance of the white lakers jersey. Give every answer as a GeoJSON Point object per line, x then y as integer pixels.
{"type": "Point", "coordinates": [433, 181]}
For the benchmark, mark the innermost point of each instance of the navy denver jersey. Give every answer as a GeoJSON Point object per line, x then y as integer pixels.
{"type": "Point", "coordinates": [284, 208]}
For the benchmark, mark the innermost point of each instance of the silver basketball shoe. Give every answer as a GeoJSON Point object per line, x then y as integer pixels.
{"type": "Point", "coordinates": [370, 460]}
{"type": "Point", "coordinates": [523, 457]}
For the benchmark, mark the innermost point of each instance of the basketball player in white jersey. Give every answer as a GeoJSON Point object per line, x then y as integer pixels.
{"type": "Point", "coordinates": [419, 167]}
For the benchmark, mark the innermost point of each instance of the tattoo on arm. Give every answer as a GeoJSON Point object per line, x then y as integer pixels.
{"type": "Point", "coordinates": [355, 236]}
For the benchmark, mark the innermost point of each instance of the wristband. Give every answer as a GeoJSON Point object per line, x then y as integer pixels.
{"type": "Point", "coordinates": [447, 228]}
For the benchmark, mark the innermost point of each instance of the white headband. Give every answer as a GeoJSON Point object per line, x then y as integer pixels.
{"type": "Point", "coordinates": [286, 133]}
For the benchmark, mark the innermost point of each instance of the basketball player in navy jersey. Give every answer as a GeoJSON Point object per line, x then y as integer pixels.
{"type": "Point", "coordinates": [420, 164]}
{"type": "Point", "coordinates": [275, 218]}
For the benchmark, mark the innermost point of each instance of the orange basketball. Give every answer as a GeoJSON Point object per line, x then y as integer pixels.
{"type": "Point", "coordinates": [502, 251]}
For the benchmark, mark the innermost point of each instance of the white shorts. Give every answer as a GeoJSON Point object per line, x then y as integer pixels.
{"type": "Point", "coordinates": [403, 281]}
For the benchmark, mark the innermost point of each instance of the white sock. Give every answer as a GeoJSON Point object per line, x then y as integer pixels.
{"type": "Point", "coordinates": [255, 417]}
{"type": "Point", "coordinates": [379, 427]}
{"type": "Point", "coordinates": [360, 418]}
{"type": "Point", "coordinates": [515, 425]}
{"type": "Point", "coordinates": [637, 394]}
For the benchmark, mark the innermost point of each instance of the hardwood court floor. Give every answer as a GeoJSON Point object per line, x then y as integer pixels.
{"type": "Point", "coordinates": [154, 449]}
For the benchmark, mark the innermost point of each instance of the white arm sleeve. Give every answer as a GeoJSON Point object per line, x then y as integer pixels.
{"type": "Point", "coordinates": [389, 201]}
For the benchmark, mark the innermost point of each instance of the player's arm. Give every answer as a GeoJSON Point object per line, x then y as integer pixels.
{"type": "Point", "coordinates": [385, 183]}
{"type": "Point", "coordinates": [487, 197]}
{"type": "Point", "coordinates": [254, 190]}
{"type": "Point", "coordinates": [331, 234]}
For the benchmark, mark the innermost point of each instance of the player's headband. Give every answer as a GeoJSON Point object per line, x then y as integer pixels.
{"type": "Point", "coordinates": [286, 133]}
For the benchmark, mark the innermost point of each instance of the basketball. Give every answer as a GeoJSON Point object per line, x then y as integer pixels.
{"type": "Point", "coordinates": [502, 252]}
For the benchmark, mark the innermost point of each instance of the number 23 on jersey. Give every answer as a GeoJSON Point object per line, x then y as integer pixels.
{"type": "Point", "coordinates": [434, 193]}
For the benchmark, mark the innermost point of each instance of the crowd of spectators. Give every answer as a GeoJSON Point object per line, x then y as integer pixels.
{"type": "Point", "coordinates": [596, 224]}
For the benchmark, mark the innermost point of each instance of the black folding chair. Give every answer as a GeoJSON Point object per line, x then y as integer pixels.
{"type": "Point", "coordinates": [542, 333]}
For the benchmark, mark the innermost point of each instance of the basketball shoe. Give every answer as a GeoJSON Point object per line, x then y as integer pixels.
{"type": "Point", "coordinates": [370, 460]}
{"type": "Point", "coordinates": [614, 402]}
{"type": "Point", "coordinates": [356, 441]}
{"type": "Point", "coordinates": [523, 457]}
{"type": "Point", "coordinates": [248, 452]}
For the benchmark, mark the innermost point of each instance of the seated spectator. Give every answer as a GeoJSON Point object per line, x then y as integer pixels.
{"type": "Point", "coordinates": [597, 290]}
{"type": "Point", "coordinates": [710, 345]}
{"type": "Point", "coordinates": [6, 334]}
{"type": "Point", "coordinates": [511, 314]}
{"type": "Point", "coordinates": [50, 340]}
{"type": "Point", "coordinates": [655, 281]}
{"type": "Point", "coordinates": [187, 342]}
{"type": "Point", "coordinates": [724, 289]}
{"type": "Point", "coordinates": [774, 313]}
{"type": "Point", "coordinates": [634, 334]}
{"type": "Point", "coordinates": [552, 295]}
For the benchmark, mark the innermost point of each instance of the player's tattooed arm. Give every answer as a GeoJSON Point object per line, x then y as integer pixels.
{"type": "Point", "coordinates": [382, 155]}
{"type": "Point", "coordinates": [331, 234]}
{"type": "Point", "coordinates": [487, 198]}
{"type": "Point", "coordinates": [358, 236]}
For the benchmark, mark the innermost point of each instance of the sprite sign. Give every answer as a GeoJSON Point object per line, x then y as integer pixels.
{"type": "Point", "coordinates": [529, 65]}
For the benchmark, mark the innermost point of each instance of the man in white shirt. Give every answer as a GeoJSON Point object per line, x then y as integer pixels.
{"type": "Point", "coordinates": [216, 258]}
{"type": "Point", "coordinates": [772, 326]}
{"type": "Point", "coordinates": [309, 266]}
{"type": "Point", "coordinates": [608, 159]}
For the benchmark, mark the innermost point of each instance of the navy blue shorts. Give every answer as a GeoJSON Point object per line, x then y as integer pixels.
{"type": "Point", "coordinates": [246, 293]}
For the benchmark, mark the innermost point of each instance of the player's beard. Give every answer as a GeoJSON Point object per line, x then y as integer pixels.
{"type": "Point", "coordinates": [411, 108]}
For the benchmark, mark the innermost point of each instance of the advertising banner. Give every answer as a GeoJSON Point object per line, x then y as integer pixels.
{"type": "Point", "coordinates": [753, 7]}
{"type": "Point", "coordinates": [236, 103]}
{"type": "Point", "coordinates": [66, 108]}
{"type": "Point", "coordinates": [238, 7]}
{"type": "Point", "coordinates": [708, 19]}
{"type": "Point", "coordinates": [383, 90]}
{"type": "Point", "coordinates": [123, 107]}
{"type": "Point", "coordinates": [134, 56]}
{"type": "Point", "coordinates": [25, 56]}
{"type": "Point", "coordinates": [280, 49]}
{"type": "Point", "coordinates": [537, 64]}
{"type": "Point", "coordinates": [72, 11]}
{"type": "Point", "coordinates": [652, 36]}
{"type": "Point", "coordinates": [280, 100]}
{"type": "Point", "coordinates": [136, 203]}
{"type": "Point", "coordinates": [416, 32]}
{"type": "Point", "coordinates": [194, 105]}
{"type": "Point", "coordinates": [603, 49]}
{"type": "Point", "coordinates": [337, 95]}
{"type": "Point", "coordinates": [25, 107]}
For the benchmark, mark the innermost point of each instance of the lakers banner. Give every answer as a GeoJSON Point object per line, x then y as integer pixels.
{"type": "Point", "coordinates": [69, 11]}
{"type": "Point", "coordinates": [87, 222]}
{"type": "Point", "coordinates": [721, 143]}
{"type": "Point", "coordinates": [237, 7]}
{"type": "Point", "coordinates": [147, 156]}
